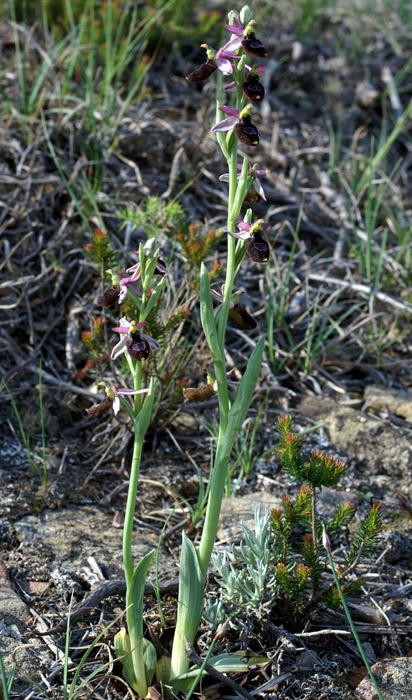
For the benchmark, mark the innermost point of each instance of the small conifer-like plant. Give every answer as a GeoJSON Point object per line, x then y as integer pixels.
{"type": "Point", "coordinates": [282, 564]}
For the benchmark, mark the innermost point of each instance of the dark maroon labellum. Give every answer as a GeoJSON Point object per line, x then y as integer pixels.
{"type": "Point", "coordinates": [253, 47]}
{"type": "Point", "coordinates": [257, 248]}
{"type": "Point", "coordinates": [202, 73]}
{"type": "Point", "coordinates": [241, 318]}
{"type": "Point", "coordinates": [137, 347]}
{"type": "Point", "coordinates": [109, 297]}
{"type": "Point", "coordinates": [253, 90]}
{"type": "Point", "coordinates": [246, 132]}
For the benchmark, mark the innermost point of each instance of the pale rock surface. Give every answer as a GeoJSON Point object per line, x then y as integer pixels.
{"type": "Point", "coordinates": [394, 678]}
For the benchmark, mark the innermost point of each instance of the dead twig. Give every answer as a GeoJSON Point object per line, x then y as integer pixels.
{"type": "Point", "coordinates": [103, 591]}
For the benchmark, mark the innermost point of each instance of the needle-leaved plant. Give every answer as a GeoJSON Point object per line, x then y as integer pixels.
{"type": "Point", "coordinates": [282, 565]}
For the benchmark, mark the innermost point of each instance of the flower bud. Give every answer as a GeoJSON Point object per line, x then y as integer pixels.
{"type": "Point", "coordinates": [325, 540]}
{"type": "Point", "coordinates": [246, 14]}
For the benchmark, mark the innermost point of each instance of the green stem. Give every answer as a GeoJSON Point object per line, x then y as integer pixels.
{"type": "Point", "coordinates": [201, 669]}
{"type": "Point", "coordinates": [231, 245]}
{"type": "Point", "coordinates": [137, 385]}
{"type": "Point", "coordinates": [314, 533]}
{"type": "Point", "coordinates": [222, 456]}
{"type": "Point", "coordinates": [130, 508]}
{"type": "Point", "coordinates": [217, 485]}
{"type": "Point", "coordinates": [352, 626]}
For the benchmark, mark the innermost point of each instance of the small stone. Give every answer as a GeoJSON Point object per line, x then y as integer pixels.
{"type": "Point", "coordinates": [394, 678]}
{"type": "Point", "coordinates": [242, 509]}
{"type": "Point", "coordinates": [367, 94]}
{"type": "Point", "coordinates": [380, 399]}
{"type": "Point", "coordinates": [34, 587]}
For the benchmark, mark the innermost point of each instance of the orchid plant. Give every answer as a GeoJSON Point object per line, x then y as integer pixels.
{"type": "Point", "coordinates": [141, 287]}
{"type": "Point", "coordinates": [142, 290]}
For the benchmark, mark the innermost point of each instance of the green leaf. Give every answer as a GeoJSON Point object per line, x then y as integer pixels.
{"type": "Point", "coordinates": [191, 589]}
{"type": "Point", "coordinates": [207, 316]}
{"type": "Point", "coordinates": [142, 420]}
{"type": "Point", "coordinates": [163, 670]}
{"type": "Point", "coordinates": [189, 604]}
{"type": "Point", "coordinates": [239, 662]}
{"type": "Point", "coordinates": [122, 650]}
{"type": "Point", "coordinates": [149, 659]}
{"type": "Point", "coordinates": [154, 297]}
{"type": "Point", "coordinates": [244, 394]}
{"type": "Point", "coordinates": [141, 676]}
{"type": "Point", "coordinates": [135, 595]}
{"type": "Point", "coordinates": [239, 255]}
{"type": "Point", "coordinates": [241, 189]}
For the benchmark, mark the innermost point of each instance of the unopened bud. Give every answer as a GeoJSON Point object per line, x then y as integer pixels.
{"type": "Point", "coordinates": [326, 540]}
{"type": "Point", "coordinates": [222, 630]}
{"type": "Point", "coordinates": [407, 507]}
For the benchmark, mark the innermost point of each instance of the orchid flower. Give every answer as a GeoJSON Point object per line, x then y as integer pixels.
{"type": "Point", "coordinates": [251, 234]}
{"type": "Point", "coordinates": [255, 173]}
{"type": "Point", "coordinates": [112, 400]}
{"type": "Point", "coordinates": [126, 285]}
{"type": "Point", "coordinates": [109, 297]}
{"type": "Point", "coordinates": [238, 315]}
{"type": "Point", "coordinates": [136, 343]}
{"type": "Point", "coordinates": [241, 123]}
{"type": "Point", "coordinates": [250, 229]}
{"type": "Point", "coordinates": [111, 294]}
{"type": "Point", "coordinates": [257, 72]}
{"type": "Point", "coordinates": [218, 296]}
{"type": "Point", "coordinates": [119, 289]}
{"type": "Point", "coordinates": [246, 38]}
{"type": "Point", "coordinates": [115, 394]}
{"type": "Point", "coordinates": [160, 268]}
{"type": "Point", "coordinates": [216, 60]}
